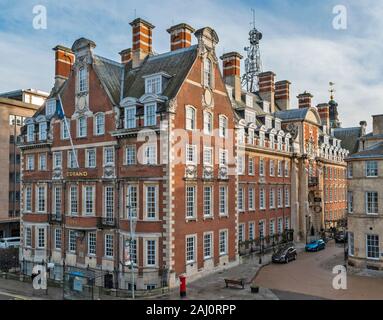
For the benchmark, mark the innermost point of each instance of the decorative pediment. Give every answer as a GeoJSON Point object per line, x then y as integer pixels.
{"type": "Point", "coordinates": [151, 97]}
{"type": "Point", "coordinates": [128, 101]}
{"type": "Point", "coordinates": [41, 118]}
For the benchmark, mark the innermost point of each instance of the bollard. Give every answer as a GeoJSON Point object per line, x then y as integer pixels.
{"type": "Point", "coordinates": [182, 286]}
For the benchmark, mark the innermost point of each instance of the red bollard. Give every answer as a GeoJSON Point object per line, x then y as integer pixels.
{"type": "Point", "coordinates": [182, 286]}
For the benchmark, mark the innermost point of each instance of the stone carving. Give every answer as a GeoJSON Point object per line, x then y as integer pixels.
{"type": "Point", "coordinates": [222, 173]}
{"type": "Point", "coordinates": [172, 105]}
{"type": "Point", "coordinates": [293, 130]}
{"type": "Point", "coordinates": [108, 171]}
{"type": "Point", "coordinates": [208, 172]}
{"type": "Point", "coordinates": [191, 172]}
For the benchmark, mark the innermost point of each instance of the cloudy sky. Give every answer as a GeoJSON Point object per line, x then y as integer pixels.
{"type": "Point", "coordinates": [299, 41]}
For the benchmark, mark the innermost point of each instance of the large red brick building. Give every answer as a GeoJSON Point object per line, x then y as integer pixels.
{"type": "Point", "coordinates": [170, 143]}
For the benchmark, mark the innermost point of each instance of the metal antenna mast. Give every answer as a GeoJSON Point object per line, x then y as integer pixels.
{"type": "Point", "coordinates": [253, 64]}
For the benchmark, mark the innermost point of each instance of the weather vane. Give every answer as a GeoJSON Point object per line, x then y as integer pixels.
{"type": "Point", "coordinates": [332, 90]}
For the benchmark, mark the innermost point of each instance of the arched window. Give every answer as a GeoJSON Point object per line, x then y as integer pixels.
{"type": "Point", "coordinates": [99, 124]}
{"type": "Point", "coordinates": [207, 73]}
{"type": "Point", "coordinates": [190, 118]}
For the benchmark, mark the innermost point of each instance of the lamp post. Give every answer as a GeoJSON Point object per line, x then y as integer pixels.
{"type": "Point", "coordinates": [132, 223]}
{"type": "Point", "coordinates": [260, 243]}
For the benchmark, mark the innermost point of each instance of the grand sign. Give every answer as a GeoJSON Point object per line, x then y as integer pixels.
{"type": "Point", "coordinates": [77, 174]}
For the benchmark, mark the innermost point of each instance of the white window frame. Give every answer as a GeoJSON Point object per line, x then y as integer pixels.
{"type": "Point", "coordinates": [191, 154]}
{"type": "Point", "coordinates": [223, 126]}
{"type": "Point", "coordinates": [372, 171]}
{"type": "Point", "coordinates": [208, 201]}
{"type": "Point", "coordinates": [42, 164]}
{"type": "Point", "coordinates": [208, 121]}
{"type": "Point", "coordinates": [82, 125]}
{"type": "Point", "coordinates": [150, 119]}
{"type": "Point", "coordinates": [30, 163]}
{"type": "Point", "coordinates": [85, 188]}
{"type": "Point", "coordinates": [109, 245]}
{"type": "Point", "coordinates": [97, 125]}
{"type": "Point", "coordinates": [150, 158]}
{"type": "Point", "coordinates": [225, 238]}
{"type": "Point", "coordinates": [251, 197]}
{"type": "Point", "coordinates": [43, 128]}
{"type": "Point", "coordinates": [223, 200]}
{"type": "Point", "coordinates": [190, 249]}
{"type": "Point", "coordinates": [208, 156]}
{"type": "Point", "coordinates": [367, 246]}
{"type": "Point", "coordinates": [109, 162]}
{"type": "Point", "coordinates": [190, 118]}
{"type": "Point", "coordinates": [92, 243]}
{"type": "Point", "coordinates": [367, 202]}
{"type": "Point", "coordinates": [208, 245]}
{"type": "Point", "coordinates": [154, 206]}
{"type": "Point", "coordinates": [64, 131]}
{"type": "Point", "coordinates": [130, 155]}
{"type": "Point", "coordinates": [58, 239]}
{"type": "Point", "coordinates": [87, 154]}
{"type": "Point", "coordinates": [73, 202]}
{"type": "Point", "coordinates": [130, 117]}
{"type": "Point", "coordinates": [155, 253]}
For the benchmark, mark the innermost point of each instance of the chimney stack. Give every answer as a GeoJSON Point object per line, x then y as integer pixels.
{"type": "Point", "coordinates": [377, 124]}
{"type": "Point", "coordinates": [282, 94]}
{"type": "Point", "coordinates": [64, 60]}
{"type": "Point", "coordinates": [142, 40]}
{"type": "Point", "coordinates": [126, 55]}
{"type": "Point", "coordinates": [304, 100]}
{"type": "Point", "coordinates": [324, 114]}
{"type": "Point", "coordinates": [180, 36]}
{"type": "Point", "coordinates": [267, 88]}
{"type": "Point", "coordinates": [232, 72]}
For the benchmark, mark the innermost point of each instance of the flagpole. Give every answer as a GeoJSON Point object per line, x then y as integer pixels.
{"type": "Point", "coordinates": [67, 128]}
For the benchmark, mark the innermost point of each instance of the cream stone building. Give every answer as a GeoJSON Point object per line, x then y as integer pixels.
{"type": "Point", "coordinates": [365, 198]}
{"type": "Point", "coordinates": [15, 107]}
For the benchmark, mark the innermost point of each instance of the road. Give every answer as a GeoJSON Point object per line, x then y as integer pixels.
{"type": "Point", "coordinates": [311, 277]}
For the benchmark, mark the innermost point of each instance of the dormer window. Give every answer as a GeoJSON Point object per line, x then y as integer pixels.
{"type": "Point", "coordinates": [42, 131]}
{"type": "Point", "coordinates": [82, 79]}
{"type": "Point", "coordinates": [271, 141]}
{"type": "Point", "coordinates": [153, 85]}
{"type": "Point", "coordinates": [207, 73]}
{"type": "Point", "coordinates": [277, 125]}
{"type": "Point", "coordinates": [130, 117]}
{"type": "Point", "coordinates": [150, 115]}
{"type": "Point", "coordinates": [261, 139]}
{"type": "Point", "coordinates": [30, 133]}
{"type": "Point", "coordinates": [268, 123]}
{"type": "Point", "coordinates": [249, 117]}
{"type": "Point", "coordinates": [50, 108]}
{"type": "Point", "coordinates": [249, 100]}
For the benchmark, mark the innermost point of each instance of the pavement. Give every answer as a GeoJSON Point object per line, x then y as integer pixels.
{"type": "Point", "coordinates": [311, 275]}
{"type": "Point", "coordinates": [213, 286]}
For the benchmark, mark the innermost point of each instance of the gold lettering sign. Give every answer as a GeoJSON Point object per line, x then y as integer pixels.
{"type": "Point", "coordinates": [77, 174]}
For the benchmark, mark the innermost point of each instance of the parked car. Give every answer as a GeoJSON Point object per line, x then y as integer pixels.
{"type": "Point", "coordinates": [340, 237]}
{"type": "Point", "coordinates": [12, 242]}
{"type": "Point", "coordinates": [315, 245]}
{"type": "Point", "coordinates": [285, 254]}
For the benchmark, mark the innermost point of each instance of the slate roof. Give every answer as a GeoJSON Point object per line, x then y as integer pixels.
{"type": "Point", "coordinates": [349, 137]}
{"type": "Point", "coordinates": [375, 151]}
{"type": "Point", "coordinates": [110, 74]}
{"type": "Point", "coordinates": [291, 114]}
{"type": "Point", "coordinates": [175, 63]}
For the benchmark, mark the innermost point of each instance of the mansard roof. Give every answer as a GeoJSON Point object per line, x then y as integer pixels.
{"type": "Point", "coordinates": [374, 151]}
{"type": "Point", "coordinates": [297, 114]}
{"type": "Point", "coordinates": [349, 137]}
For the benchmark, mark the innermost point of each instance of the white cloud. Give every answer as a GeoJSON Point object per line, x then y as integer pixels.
{"type": "Point", "coordinates": [302, 50]}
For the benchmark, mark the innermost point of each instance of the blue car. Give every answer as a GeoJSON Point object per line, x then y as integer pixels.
{"type": "Point", "coordinates": [315, 245]}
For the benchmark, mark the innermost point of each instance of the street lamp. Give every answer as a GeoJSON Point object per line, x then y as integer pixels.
{"type": "Point", "coordinates": [132, 223]}
{"type": "Point", "coordinates": [260, 243]}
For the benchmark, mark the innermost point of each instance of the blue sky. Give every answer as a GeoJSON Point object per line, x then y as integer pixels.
{"type": "Point", "coordinates": [299, 42]}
